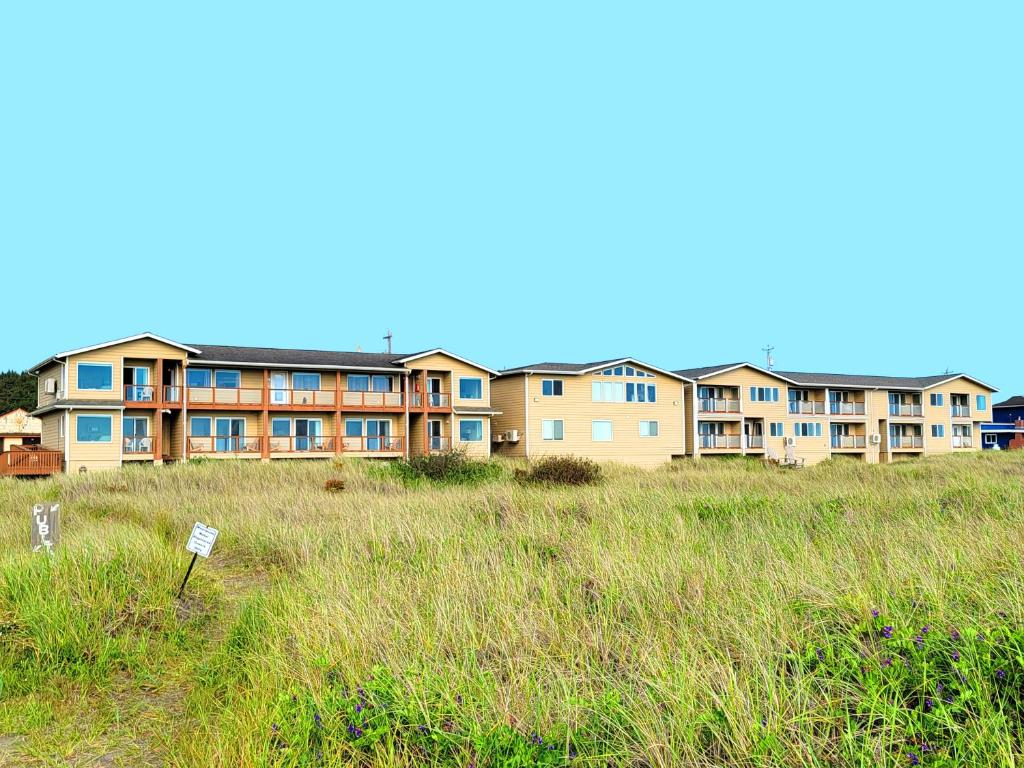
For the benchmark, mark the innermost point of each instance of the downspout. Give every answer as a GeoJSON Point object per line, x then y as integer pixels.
{"type": "Point", "coordinates": [526, 426]}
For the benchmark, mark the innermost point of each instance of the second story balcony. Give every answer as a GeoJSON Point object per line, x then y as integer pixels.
{"type": "Point", "coordinates": [960, 411]}
{"type": "Point", "coordinates": [718, 405]}
{"type": "Point", "coordinates": [849, 442]}
{"type": "Point", "coordinates": [906, 409]}
{"type": "Point", "coordinates": [719, 442]}
{"type": "Point", "coordinates": [846, 408]}
{"type": "Point", "coordinates": [439, 400]}
{"type": "Point", "coordinates": [807, 407]}
{"type": "Point", "coordinates": [906, 442]}
{"type": "Point", "coordinates": [221, 396]}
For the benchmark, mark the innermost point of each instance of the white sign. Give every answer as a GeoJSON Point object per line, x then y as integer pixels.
{"type": "Point", "coordinates": [201, 540]}
{"type": "Point", "coordinates": [45, 527]}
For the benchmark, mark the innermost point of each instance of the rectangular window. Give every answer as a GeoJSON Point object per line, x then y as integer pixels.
{"type": "Point", "coordinates": [981, 402]}
{"type": "Point", "coordinates": [630, 371]}
{"type": "Point", "coordinates": [199, 426]}
{"type": "Point", "coordinates": [651, 393]}
{"type": "Point", "coordinates": [358, 383]}
{"type": "Point", "coordinates": [551, 387]}
{"type": "Point", "coordinates": [935, 398]}
{"type": "Point", "coordinates": [227, 379]}
{"type": "Point", "coordinates": [381, 383]}
{"type": "Point", "coordinates": [764, 394]}
{"type": "Point", "coordinates": [198, 377]}
{"type": "Point", "coordinates": [281, 427]}
{"type": "Point", "coordinates": [471, 388]}
{"type": "Point", "coordinates": [776, 429]}
{"type": "Point", "coordinates": [306, 381]}
{"type": "Point", "coordinates": [353, 427]}
{"type": "Point", "coordinates": [648, 429]}
{"type": "Point", "coordinates": [608, 392]}
{"type": "Point", "coordinates": [938, 430]}
{"type": "Point", "coordinates": [601, 431]}
{"type": "Point", "coordinates": [991, 439]}
{"type": "Point", "coordinates": [471, 430]}
{"type": "Point", "coordinates": [96, 376]}
{"type": "Point", "coordinates": [95, 429]}
{"type": "Point", "coordinates": [807, 429]}
{"type": "Point", "coordinates": [552, 429]}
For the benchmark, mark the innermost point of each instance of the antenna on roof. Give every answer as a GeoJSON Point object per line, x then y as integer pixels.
{"type": "Point", "coordinates": [387, 337]}
{"type": "Point", "coordinates": [947, 371]}
{"type": "Point", "coordinates": [770, 362]}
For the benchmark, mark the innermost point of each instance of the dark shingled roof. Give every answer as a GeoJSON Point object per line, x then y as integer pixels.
{"type": "Point", "coordinates": [854, 380]}
{"type": "Point", "coordinates": [561, 367]}
{"type": "Point", "coordinates": [707, 370]}
{"type": "Point", "coordinates": [298, 357]}
{"type": "Point", "coordinates": [1017, 401]}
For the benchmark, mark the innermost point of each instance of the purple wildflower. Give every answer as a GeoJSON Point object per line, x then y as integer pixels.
{"type": "Point", "coordinates": [925, 629]}
{"type": "Point", "coordinates": [1001, 674]}
{"type": "Point", "coordinates": [913, 758]}
{"type": "Point", "coordinates": [928, 704]}
{"type": "Point", "coordinates": [874, 613]}
{"type": "Point", "coordinates": [939, 687]}
{"type": "Point", "coordinates": [954, 636]}
{"type": "Point", "coordinates": [316, 719]}
{"type": "Point", "coordinates": [887, 632]}
{"type": "Point", "coordinates": [919, 642]}
{"type": "Point", "coordinates": [887, 662]}
{"type": "Point", "coordinates": [422, 729]}
{"type": "Point", "coordinates": [956, 655]}
{"type": "Point", "coordinates": [274, 728]}
{"type": "Point", "coordinates": [820, 654]}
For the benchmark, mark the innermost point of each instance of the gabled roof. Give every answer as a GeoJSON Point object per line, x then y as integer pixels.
{"type": "Point", "coordinates": [696, 374]}
{"type": "Point", "coordinates": [1017, 401]}
{"type": "Point", "coordinates": [579, 369]}
{"type": "Point", "coordinates": [441, 351]}
{"type": "Point", "coordinates": [145, 335]}
{"type": "Point", "coordinates": [303, 358]}
{"type": "Point", "coordinates": [876, 382]}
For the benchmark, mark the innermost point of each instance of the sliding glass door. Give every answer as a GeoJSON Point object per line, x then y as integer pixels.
{"type": "Point", "coordinates": [230, 435]}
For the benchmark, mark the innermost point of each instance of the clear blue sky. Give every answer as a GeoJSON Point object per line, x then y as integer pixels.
{"type": "Point", "coordinates": [679, 182]}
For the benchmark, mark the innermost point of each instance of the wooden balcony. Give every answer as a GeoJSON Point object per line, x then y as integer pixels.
{"type": "Point", "coordinates": [137, 445]}
{"type": "Point", "coordinates": [225, 397]}
{"type": "Point", "coordinates": [371, 401]}
{"type": "Point", "coordinates": [439, 443]}
{"type": "Point", "coordinates": [145, 396]}
{"type": "Point", "coordinates": [298, 399]}
{"type": "Point", "coordinates": [29, 461]}
{"type": "Point", "coordinates": [305, 445]}
{"type": "Point", "coordinates": [435, 401]}
{"type": "Point", "coordinates": [293, 445]}
{"type": "Point", "coordinates": [718, 405]}
{"type": "Point", "coordinates": [277, 399]}
{"type": "Point", "coordinates": [960, 411]}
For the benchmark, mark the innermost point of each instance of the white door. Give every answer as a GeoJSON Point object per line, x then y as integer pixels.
{"type": "Point", "coordinates": [279, 388]}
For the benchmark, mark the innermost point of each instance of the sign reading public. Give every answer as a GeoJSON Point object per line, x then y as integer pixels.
{"type": "Point", "coordinates": [45, 527]}
{"type": "Point", "coordinates": [201, 540]}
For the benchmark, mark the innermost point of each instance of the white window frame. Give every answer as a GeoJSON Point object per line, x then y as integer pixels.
{"type": "Point", "coordinates": [213, 378]}
{"type": "Point", "coordinates": [478, 421]}
{"type": "Point", "coordinates": [648, 422]}
{"type": "Point", "coordinates": [108, 417]}
{"type": "Point", "coordinates": [991, 439]}
{"type": "Point", "coordinates": [192, 419]}
{"type": "Point", "coordinates": [561, 385]}
{"type": "Point", "coordinates": [471, 378]}
{"type": "Point", "coordinates": [544, 432]}
{"type": "Point", "coordinates": [611, 431]}
{"type": "Point", "coordinates": [319, 380]}
{"type": "Point", "coordinates": [78, 376]}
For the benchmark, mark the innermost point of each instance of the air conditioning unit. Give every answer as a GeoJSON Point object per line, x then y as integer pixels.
{"type": "Point", "coordinates": [876, 439]}
{"type": "Point", "coordinates": [790, 441]}
{"type": "Point", "coordinates": [512, 435]}
{"type": "Point", "coordinates": [50, 386]}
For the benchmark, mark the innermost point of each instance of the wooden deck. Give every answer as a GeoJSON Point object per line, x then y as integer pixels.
{"type": "Point", "coordinates": [29, 461]}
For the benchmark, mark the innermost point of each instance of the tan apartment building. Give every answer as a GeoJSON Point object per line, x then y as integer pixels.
{"type": "Point", "coordinates": [742, 409]}
{"type": "Point", "coordinates": [612, 410]}
{"type": "Point", "coordinates": [149, 399]}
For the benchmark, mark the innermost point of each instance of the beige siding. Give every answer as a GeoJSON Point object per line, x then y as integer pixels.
{"type": "Point", "coordinates": [115, 356]}
{"type": "Point", "coordinates": [54, 372]}
{"type": "Point", "coordinates": [454, 369]}
{"type": "Point", "coordinates": [51, 433]}
{"type": "Point", "coordinates": [477, 449]}
{"type": "Point", "coordinates": [508, 395]}
{"type": "Point", "coordinates": [577, 410]}
{"type": "Point", "coordinates": [94, 456]}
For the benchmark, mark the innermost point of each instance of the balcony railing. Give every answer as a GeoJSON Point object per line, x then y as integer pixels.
{"type": "Point", "coordinates": [301, 444]}
{"type": "Point", "coordinates": [172, 393]}
{"type": "Point", "coordinates": [384, 444]}
{"type": "Point", "coordinates": [719, 441]}
{"type": "Point", "coordinates": [906, 441]}
{"type": "Point", "coordinates": [139, 393]}
{"type": "Point", "coordinates": [138, 445]}
{"type": "Point", "coordinates": [30, 460]}
{"type": "Point", "coordinates": [353, 399]}
{"type": "Point", "coordinates": [434, 400]}
{"type": "Point", "coordinates": [960, 411]}
{"type": "Point", "coordinates": [439, 443]}
{"type": "Point", "coordinates": [225, 396]}
{"type": "Point", "coordinates": [908, 409]}
{"type": "Point", "coordinates": [808, 407]}
{"type": "Point", "coordinates": [838, 408]}
{"type": "Point", "coordinates": [755, 441]}
{"type": "Point", "coordinates": [963, 441]}
{"type": "Point", "coordinates": [214, 444]}
{"type": "Point", "coordinates": [848, 442]}
{"type": "Point", "coordinates": [718, 405]}
{"type": "Point", "coordinates": [315, 397]}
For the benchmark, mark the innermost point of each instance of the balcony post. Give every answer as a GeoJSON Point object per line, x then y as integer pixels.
{"type": "Point", "coordinates": [158, 413]}
{"type": "Point", "coordinates": [265, 416]}
{"type": "Point", "coordinates": [337, 413]}
{"type": "Point", "coordinates": [405, 401]}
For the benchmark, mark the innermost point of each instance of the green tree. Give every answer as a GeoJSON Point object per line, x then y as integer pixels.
{"type": "Point", "coordinates": [17, 390]}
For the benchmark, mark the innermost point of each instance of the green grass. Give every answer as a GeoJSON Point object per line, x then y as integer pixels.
{"type": "Point", "coordinates": [704, 614]}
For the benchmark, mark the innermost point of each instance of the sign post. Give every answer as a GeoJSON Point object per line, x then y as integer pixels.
{"type": "Point", "coordinates": [45, 533]}
{"type": "Point", "coordinates": [200, 543]}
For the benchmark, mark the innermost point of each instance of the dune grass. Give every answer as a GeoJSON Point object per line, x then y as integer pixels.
{"type": "Point", "coordinates": [718, 613]}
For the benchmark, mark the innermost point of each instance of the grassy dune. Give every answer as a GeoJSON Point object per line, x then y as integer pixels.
{"type": "Point", "coordinates": [705, 614]}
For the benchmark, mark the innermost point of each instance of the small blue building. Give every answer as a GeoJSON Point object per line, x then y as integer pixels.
{"type": "Point", "coordinates": [1005, 415]}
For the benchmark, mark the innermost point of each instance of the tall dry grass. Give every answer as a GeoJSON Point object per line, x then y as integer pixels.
{"type": "Point", "coordinates": [658, 618]}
